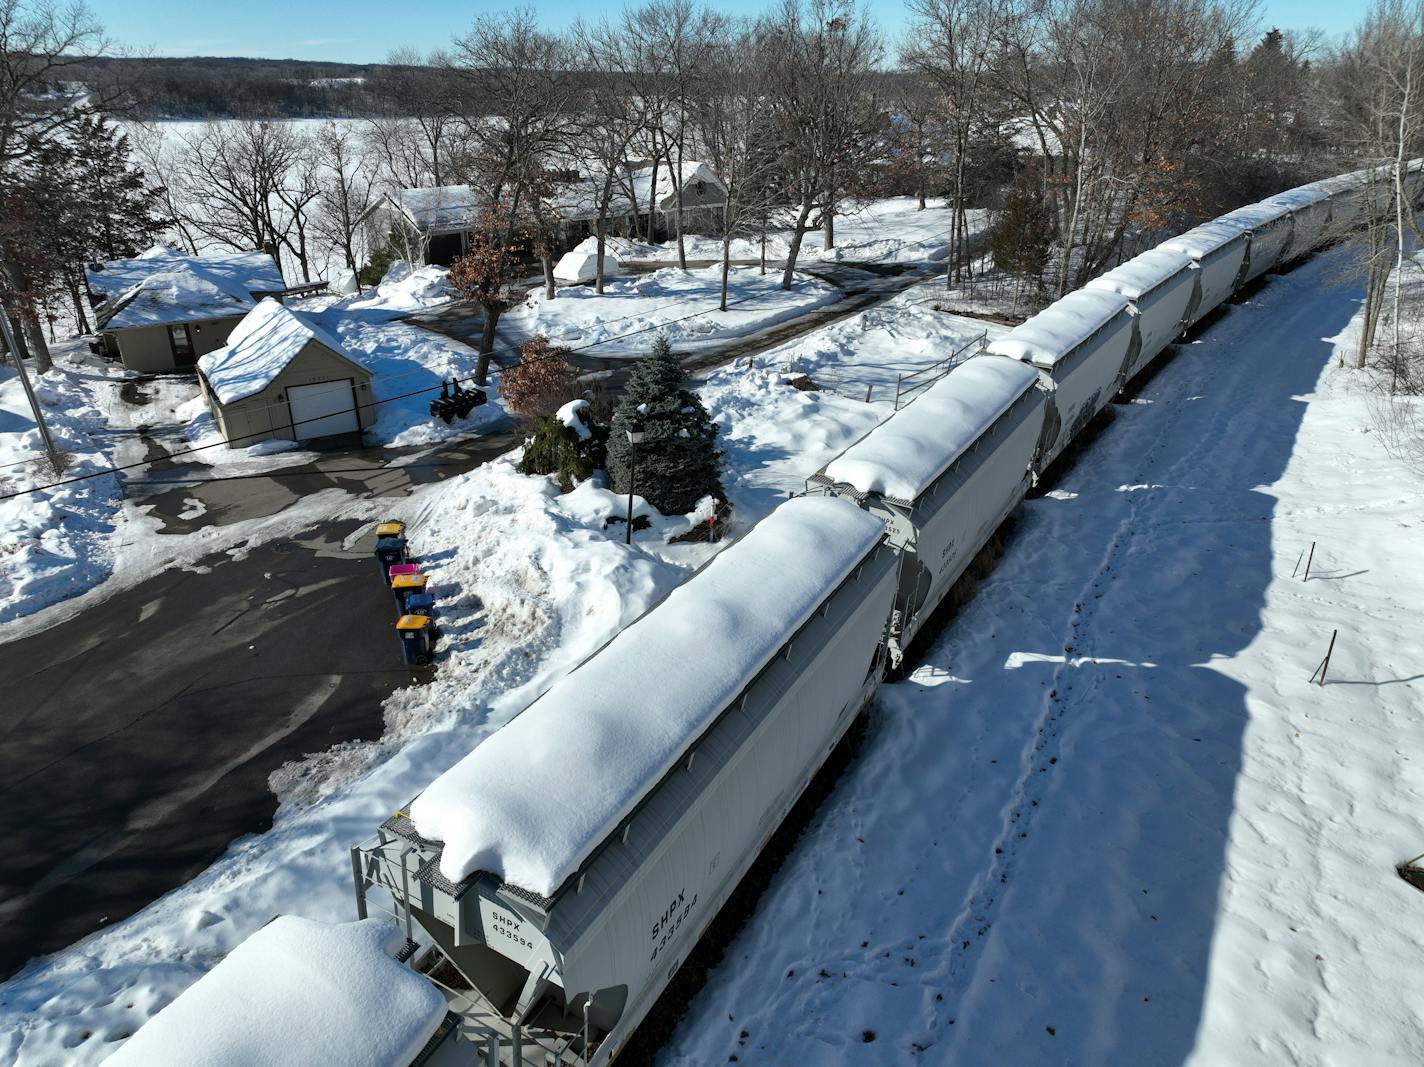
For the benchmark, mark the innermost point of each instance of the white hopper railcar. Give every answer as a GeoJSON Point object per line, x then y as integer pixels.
{"type": "Point", "coordinates": [1218, 250]}
{"type": "Point", "coordinates": [1079, 345]}
{"type": "Point", "coordinates": [298, 993]}
{"type": "Point", "coordinates": [568, 864]}
{"type": "Point", "coordinates": [1158, 287]}
{"type": "Point", "coordinates": [943, 473]}
{"type": "Point", "coordinates": [1310, 214]}
{"type": "Point", "coordinates": [1268, 228]}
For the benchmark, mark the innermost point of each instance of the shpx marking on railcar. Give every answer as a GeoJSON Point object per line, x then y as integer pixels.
{"type": "Point", "coordinates": [509, 928]}
{"type": "Point", "coordinates": [671, 920]}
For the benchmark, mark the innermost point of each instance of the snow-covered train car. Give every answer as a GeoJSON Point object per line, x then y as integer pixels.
{"type": "Point", "coordinates": [1219, 252]}
{"type": "Point", "coordinates": [298, 993]}
{"type": "Point", "coordinates": [942, 473]}
{"type": "Point", "coordinates": [1079, 344]}
{"type": "Point", "coordinates": [1158, 287]}
{"type": "Point", "coordinates": [1310, 211]}
{"type": "Point", "coordinates": [1268, 227]}
{"type": "Point", "coordinates": [568, 864]}
{"type": "Point", "coordinates": [1347, 194]}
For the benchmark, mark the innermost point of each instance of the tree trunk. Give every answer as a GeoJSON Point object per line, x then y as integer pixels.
{"type": "Point", "coordinates": [726, 267]}
{"type": "Point", "coordinates": [681, 243]}
{"type": "Point", "coordinates": [828, 228]}
{"type": "Point", "coordinates": [601, 229]}
{"type": "Point", "coordinates": [548, 262]}
{"type": "Point", "coordinates": [795, 249]}
{"type": "Point", "coordinates": [81, 320]}
{"type": "Point", "coordinates": [487, 336]}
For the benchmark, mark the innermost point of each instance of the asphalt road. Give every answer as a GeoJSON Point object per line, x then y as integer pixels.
{"type": "Point", "coordinates": [140, 733]}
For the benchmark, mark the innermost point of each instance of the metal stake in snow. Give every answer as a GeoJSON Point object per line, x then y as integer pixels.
{"type": "Point", "coordinates": [12, 343]}
{"type": "Point", "coordinates": [1308, 560]}
{"type": "Point", "coordinates": [1325, 663]}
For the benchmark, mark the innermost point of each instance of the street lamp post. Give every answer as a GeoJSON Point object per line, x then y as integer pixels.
{"type": "Point", "coordinates": [635, 438]}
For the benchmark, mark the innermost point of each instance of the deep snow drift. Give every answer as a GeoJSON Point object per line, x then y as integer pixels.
{"type": "Point", "coordinates": [1108, 819]}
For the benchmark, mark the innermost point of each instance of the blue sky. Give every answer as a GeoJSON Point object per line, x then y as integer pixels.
{"type": "Point", "coordinates": [364, 31]}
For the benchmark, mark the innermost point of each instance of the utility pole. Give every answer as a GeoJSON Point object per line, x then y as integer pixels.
{"type": "Point", "coordinates": [12, 343]}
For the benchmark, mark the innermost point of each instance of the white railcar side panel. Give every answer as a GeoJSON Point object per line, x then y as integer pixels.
{"type": "Point", "coordinates": [956, 530]}
{"type": "Point", "coordinates": [1310, 225]}
{"type": "Point", "coordinates": [1162, 316]}
{"type": "Point", "coordinates": [1088, 386]}
{"type": "Point", "coordinates": [1218, 279]}
{"type": "Point", "coordinates": [647, 931]}
{"type": "Point", "coordinates": [1267, 244]}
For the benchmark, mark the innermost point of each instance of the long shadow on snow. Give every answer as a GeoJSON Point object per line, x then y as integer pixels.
{"type": "Point", "coordinates": [1098, 902]}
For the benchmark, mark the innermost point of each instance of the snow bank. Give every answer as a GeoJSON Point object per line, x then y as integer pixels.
{"type": "Point", "coordinates": [259, 348]}
{"type": "Point", "coordinates": [601, 737]}
{"type": "Point", "coordinates": [297, 993]}
{"type": "Point", "coordinates": [55, 543]}
{"type": "Point", "coordinates": [406, 288]}
{"type": "Point", "coordinates": [682, 304]}
{"type": "Point", "coordinates": [582, 266]}
{"type": "Point", "coordinates": [1142, 273]}
{"type": "Point", "coordinates": [1057, 330]}
{"type": "Point", "coordinates": [909, 450]}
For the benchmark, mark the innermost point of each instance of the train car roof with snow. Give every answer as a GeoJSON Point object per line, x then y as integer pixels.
{"type": "Point", "coordinates": [1056, 331]}
{"type": "Point", "coordinates": [1142, 273]}
{"type": "Point", "coordinates": [902, 456]}
{"type": "Point", "coordinates": [1303, 196]}
{"type": "Point", "coordinates": [1201, 241]}
{"type": "Point", "coordinates": [539, 796]}
{"type": "Point", "coordinates": [1254, 215]}
{"type": "Point", "coordinates": [297, 993]}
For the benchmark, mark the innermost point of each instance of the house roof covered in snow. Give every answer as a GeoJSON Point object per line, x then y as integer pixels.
{"type": "Point", "coordinates": [170, 297]}
{"type": "Point", "coordinates": [439, 209]}
{"type": "Point", "coordinates": [259, 348]}
{"type": "Point", "coordinates": [454, 208]}
{"type": "Point", "coordinates": [296, 993]}
{"type": "Point", "coordinates": [251, 272]}
{"type": "Point", "coordinates": [598, 742]}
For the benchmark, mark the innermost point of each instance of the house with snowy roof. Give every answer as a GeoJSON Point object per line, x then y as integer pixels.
{"type": "Point", "coordinates": [163, 309]}
{"type": "Point", "coordinates": [437, 224]}
{"type": "Point", "coordinates": [282, 375]}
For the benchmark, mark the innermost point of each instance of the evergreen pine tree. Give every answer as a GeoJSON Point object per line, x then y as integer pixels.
{"type": "Point", "coordinates": [678, 462]}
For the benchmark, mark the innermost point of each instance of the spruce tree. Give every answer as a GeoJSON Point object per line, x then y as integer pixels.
{"type": "Point", "coordinates": [678, 462]}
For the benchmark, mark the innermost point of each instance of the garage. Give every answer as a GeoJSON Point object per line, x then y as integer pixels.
{"type": "Point", "coordinates": [282, 376]}
{"type": "Point", "coordinates": [323, 409]}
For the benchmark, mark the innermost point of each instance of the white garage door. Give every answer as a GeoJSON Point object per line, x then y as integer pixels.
{"type": "Point", "coordinates": [322, 409]}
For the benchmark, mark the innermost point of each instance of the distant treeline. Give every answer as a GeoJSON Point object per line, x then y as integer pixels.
{"type": "Point", "coordinates": [200, 87]}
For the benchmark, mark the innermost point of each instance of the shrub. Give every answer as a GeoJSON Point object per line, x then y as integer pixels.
{"type": "Point", "coordinates": [552, 448]}
{"type": "Point", "coordinates": [678, 462]}
{"type": "Point", "coordinates": [541, 382]}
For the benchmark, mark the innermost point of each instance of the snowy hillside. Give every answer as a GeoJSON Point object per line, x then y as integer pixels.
{"type": "Point", "coordinates": [1108, 819]}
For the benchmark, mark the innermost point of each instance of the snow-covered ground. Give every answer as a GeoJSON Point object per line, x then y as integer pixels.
{"type": "Point", "coordinates": [629, 314]}
{"type": "Point", "coordinates": [55, 542]}
{"type": "Point", "coordinates": [1108, 819]}
{"type": "Point", "coordinates": [889, 230]}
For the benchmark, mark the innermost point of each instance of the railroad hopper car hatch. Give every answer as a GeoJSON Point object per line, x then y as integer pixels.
{"type": "Point", "coordinates": [621, 915]}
